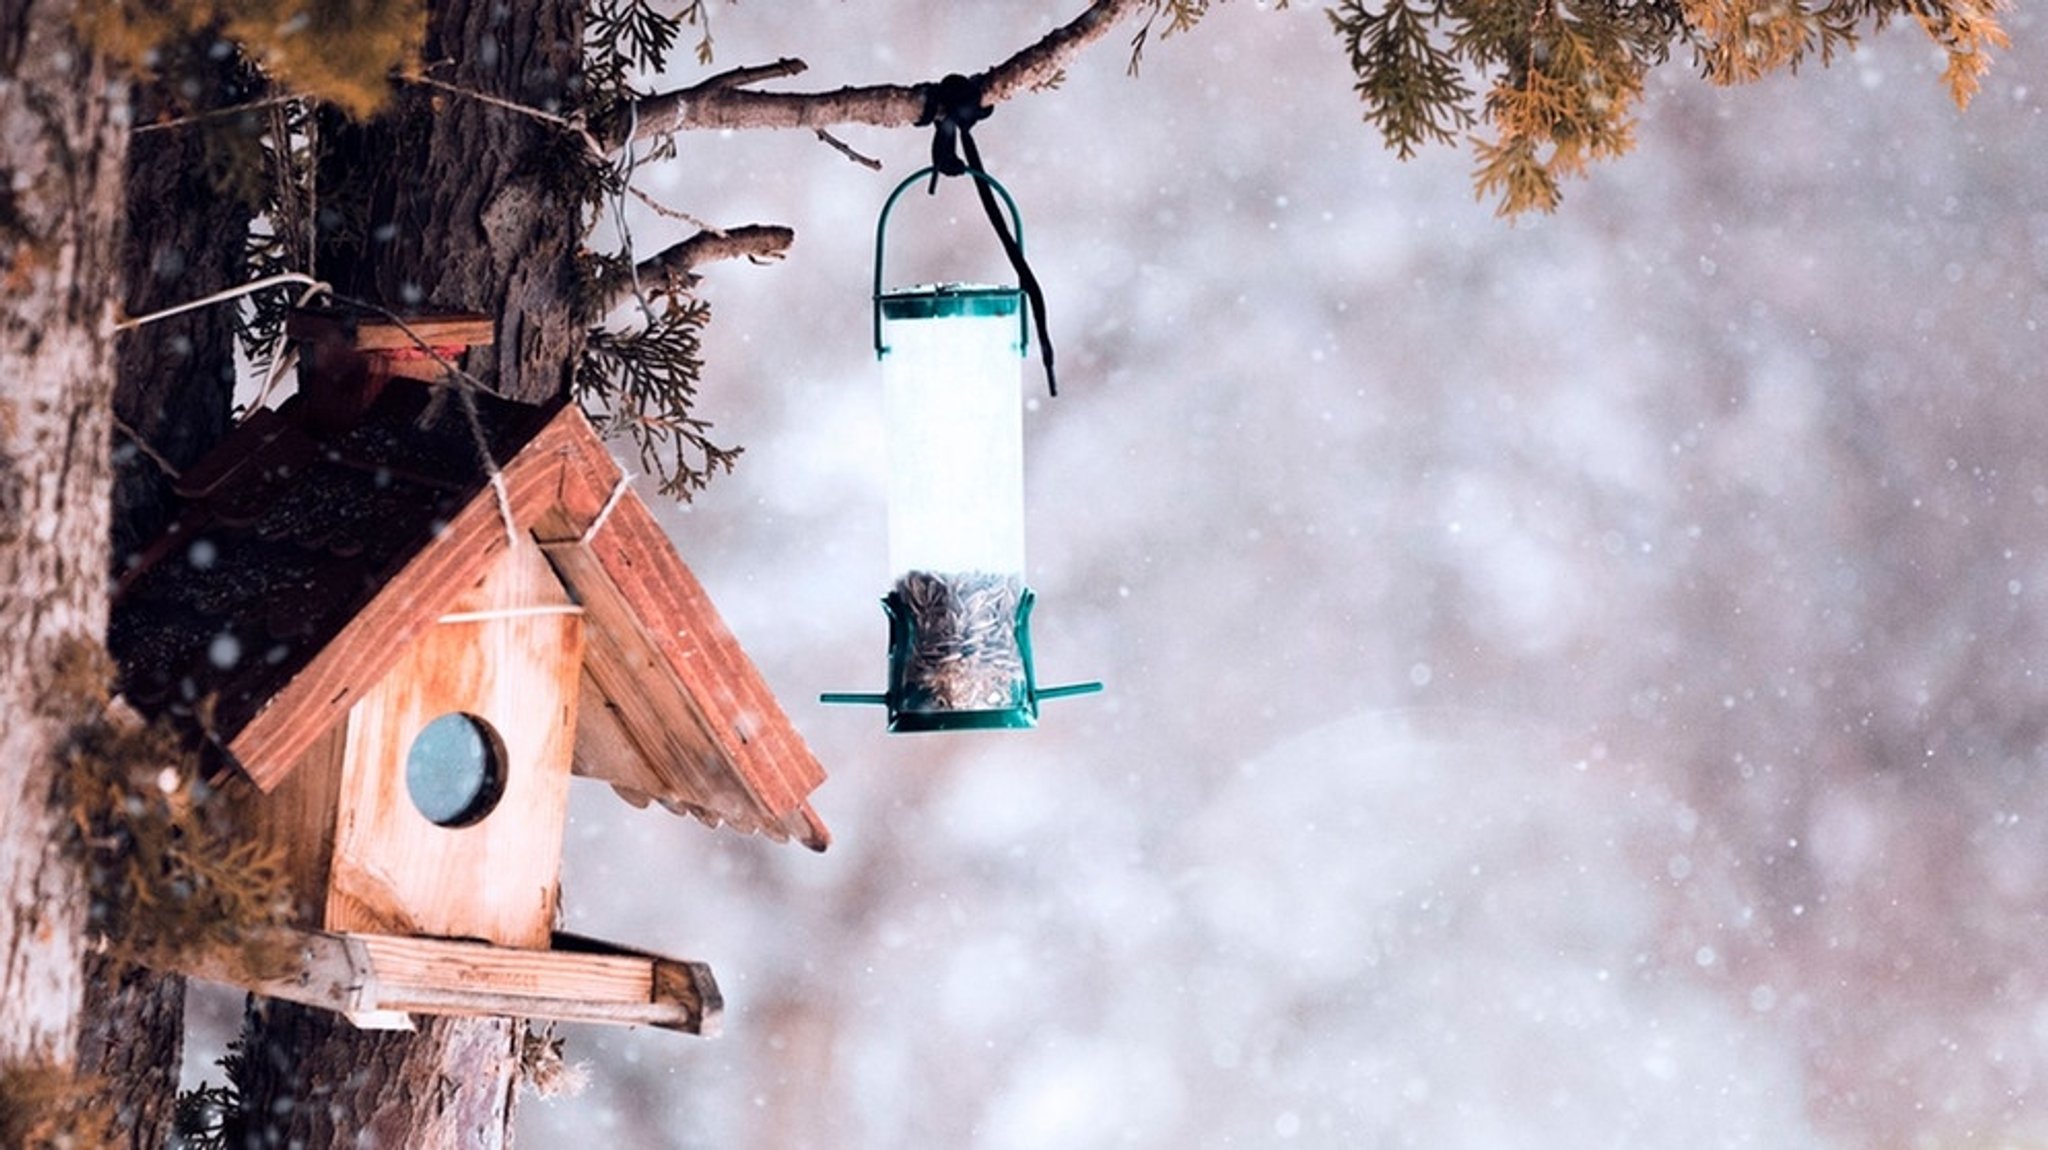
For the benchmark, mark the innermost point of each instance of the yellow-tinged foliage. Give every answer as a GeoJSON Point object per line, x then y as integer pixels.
{"type": "Point", "coordinates": [1562, 77]}
{"type": "Point", "coordinates": [44, 1108]}
{"type": "Point", "coordinates": [1740, 41]}
{"type": "Point", "coordinates": [1967, 30]}
{"type": "Point", "coordinates": [1569, 104]}
{"type": "Point", "coordinates": [168, 877]}
{"type": "Point", "coordinates": [342, 51]}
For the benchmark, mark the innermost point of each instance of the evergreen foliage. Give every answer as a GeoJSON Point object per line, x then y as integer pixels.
{"type": "Point", "coordinates": [1562, 77]}
{"type": "Point", "coordinates": [621, 39]}
{"type": "Point", "coordinates": [169, 875]}
{"type": "Point", "coordinates": [47, 1108]}
{"type": "Point", "coordinates": [210, 1117]}
{"type": "Point", "coordinates": [640, 382]}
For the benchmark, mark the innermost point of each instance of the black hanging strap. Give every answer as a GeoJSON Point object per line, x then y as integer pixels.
{"type": "Point", "coordinates": [952, 107]}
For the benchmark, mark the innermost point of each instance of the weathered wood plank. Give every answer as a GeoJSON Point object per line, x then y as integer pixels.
{"type": "Point", "coordinates": [629, 566]}
{"type": "Point", "coordinates": [297, 821]}
{"type": "Point", "coordinates": [407, 968]}
{"type": "Point", "coordinates": [379, 979]}
{"type": "Point", "coordinates": [365, 333]}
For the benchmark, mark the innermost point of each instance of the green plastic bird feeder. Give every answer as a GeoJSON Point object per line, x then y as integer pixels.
{"type": "Point", "coordinates": [959, 611]}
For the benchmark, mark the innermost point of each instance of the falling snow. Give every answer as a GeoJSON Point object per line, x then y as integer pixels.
{"type": "Point", "coordinates": [1569, 684]}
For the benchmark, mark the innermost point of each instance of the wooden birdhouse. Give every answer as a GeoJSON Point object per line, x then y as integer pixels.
{"type": "Point", "coordinates": [400, 619]}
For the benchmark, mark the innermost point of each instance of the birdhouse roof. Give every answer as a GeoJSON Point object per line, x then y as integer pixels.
{"type": "Point", "coordinates": [305, 560]}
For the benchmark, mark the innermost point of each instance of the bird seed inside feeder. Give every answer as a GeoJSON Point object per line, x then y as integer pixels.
{"type": "Point", "coordinates": [964, 654]}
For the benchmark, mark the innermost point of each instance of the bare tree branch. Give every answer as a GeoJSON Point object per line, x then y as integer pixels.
{"type": "Point", "coordinates": [753, 74]}
{"type": "Point", "coordinates": [845, 149]}
{"type": "Point", "coordinates": [723, 101]}
{"type": "Point", "coordinates": [674, 266]}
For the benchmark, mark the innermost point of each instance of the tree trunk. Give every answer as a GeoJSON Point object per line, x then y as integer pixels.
{"type": "Point", "coordinates": [61, 152]}
{"type": "Point", "coordinates": [445, 203]}
{"type": "Point", "coordinates": [314, 1080]}
{"type": "Point", "coordinates": [131, 1046]}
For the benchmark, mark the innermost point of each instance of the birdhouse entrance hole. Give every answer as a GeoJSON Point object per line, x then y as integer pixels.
{"type": "Point", "coordinates": [455, 770]}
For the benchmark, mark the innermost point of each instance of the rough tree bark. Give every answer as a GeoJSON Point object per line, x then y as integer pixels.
{"type": "Point", "coordinates": [449, 202]}
{"type": "Point", "coordinates": [451, 1083]}
{"type": "Point", "coordinates": [131, 1046]}
{"type": "Point", "coordinates": [61, 148]}
{"type": "Point", "coordinates": [186, 238]}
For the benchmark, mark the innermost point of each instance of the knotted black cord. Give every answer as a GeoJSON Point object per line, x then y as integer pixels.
{"type": "Point", "coordinates": [952, 107]}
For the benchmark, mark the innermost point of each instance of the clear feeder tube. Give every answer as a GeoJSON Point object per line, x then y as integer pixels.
{"type": "Point", "coordinates": [951, 380]}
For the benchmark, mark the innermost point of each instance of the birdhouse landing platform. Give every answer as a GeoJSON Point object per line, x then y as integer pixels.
{"type": "Point", "coordinates": [379, 981]}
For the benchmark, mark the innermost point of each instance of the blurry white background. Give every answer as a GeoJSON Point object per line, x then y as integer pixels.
{"type": "Point", "coordinates": [1570, 684]}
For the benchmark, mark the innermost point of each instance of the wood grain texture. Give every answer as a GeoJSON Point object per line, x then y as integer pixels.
{"type": "Point", "coordinates": [297, 821]}
{"type": "Point", "coordinates": [628, 569]}
{"type": "Point", "coordinates": [704, 732]}
{"type": "Point", "coordinates": [496, 879]}
{"type": "Point", "coordinates": [366, 334]}
{"type": "Point", "coordinates": [372, 976]}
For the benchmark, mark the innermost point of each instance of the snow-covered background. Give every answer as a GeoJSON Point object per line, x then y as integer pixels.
{"type": "Point", "coordinates": [1569, 685]}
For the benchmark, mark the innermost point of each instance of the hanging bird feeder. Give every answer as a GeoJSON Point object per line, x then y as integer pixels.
{"type": "Point", "coordinates": [959, 610]}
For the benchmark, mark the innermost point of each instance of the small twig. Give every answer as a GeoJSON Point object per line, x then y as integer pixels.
{"type": "Point", "coordinates": [844, 149]}
{"type": "Point", "coordinates": [666, 212]}
{"type": "Point", "coordinates": [746, 74]}
{"type": "Point", "coordinates": [135, 437]}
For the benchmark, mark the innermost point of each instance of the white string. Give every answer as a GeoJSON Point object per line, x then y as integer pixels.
{"type": "Point", "coordinates": [278, 364]}
{"type": "Point", "coordinates": [568, 123]}
{"type": "Point", "coordinates": [605, 512]}
{"type": "Point", "coordinates": [315, 287]}
{"type": "Point", "coordinates": [504, 503]}
{"type": "Point", "coordinates": [285, 357]}
{"type": "Point", "coordinates": [510, 613]}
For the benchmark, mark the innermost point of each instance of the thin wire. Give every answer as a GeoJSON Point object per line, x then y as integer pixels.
{"type": "Point", "coordinates": [564, 122]}
{"type": "Point", "coordinates": [214, 114]}
{"type": "Point", "coordinates": [466, 386]}
{"type": "Point", "coordinates": [148, 452]}
{"type": "Point", "coordinates": [631, 161]}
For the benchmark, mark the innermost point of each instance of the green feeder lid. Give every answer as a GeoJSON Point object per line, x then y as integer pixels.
{"type": "Point", "coordinates": [942, 301]}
